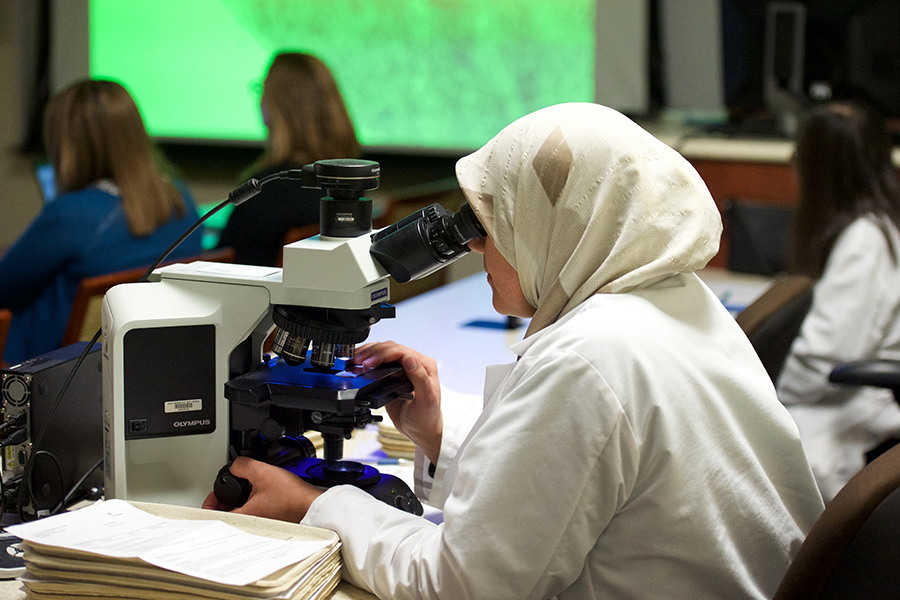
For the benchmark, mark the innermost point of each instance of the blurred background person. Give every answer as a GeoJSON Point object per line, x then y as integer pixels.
{"type": "Point", "coordinates": [307, 121]}
{"type": "Point", "coordinates": [116, 209]}
{"type": "Point", "coordinates": [845, 235]}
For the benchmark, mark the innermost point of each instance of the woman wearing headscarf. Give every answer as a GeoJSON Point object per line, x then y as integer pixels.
{"type": "Point", "coordinates": [636, 449]}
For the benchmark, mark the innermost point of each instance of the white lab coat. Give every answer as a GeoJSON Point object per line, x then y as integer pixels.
{"type": "Point", "coordinates": [854, 315]}
{"type": "Point", "coordinates": [636, 450]}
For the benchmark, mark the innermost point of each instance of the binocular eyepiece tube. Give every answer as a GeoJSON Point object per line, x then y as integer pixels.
{"type": "Point", "coordinates": [425, 241]}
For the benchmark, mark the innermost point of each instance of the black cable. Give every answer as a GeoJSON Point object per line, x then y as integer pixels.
{"type": "Point", "coordinates": [28, 484]}
{"type": "Point", "coordinates": [14, 421]}
{"type": "Point", "coordinates": [17, 437]}
{"type": "Point", "coordinates": [64, 502]}
{"type": "Point", "coordinates": [36, 441]}
{"type": "Point", "coordinates": [9, 490]}
{"type": "Point", "coordinates": [238, 196]}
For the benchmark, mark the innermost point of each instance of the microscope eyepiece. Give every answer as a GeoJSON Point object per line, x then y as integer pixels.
{"type": "Point", "coordinates": [425, 241]}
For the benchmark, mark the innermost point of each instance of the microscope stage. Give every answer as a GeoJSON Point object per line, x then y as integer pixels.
{"type": "Point", "coordinates": [338, 391]}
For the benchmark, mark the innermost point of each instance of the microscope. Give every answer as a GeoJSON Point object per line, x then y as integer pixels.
{"type": "Point", "coordinates": [187, 384]}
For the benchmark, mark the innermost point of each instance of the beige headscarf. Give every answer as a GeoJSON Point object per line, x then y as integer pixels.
{"type": "Point", "coordinates": [581, 200]}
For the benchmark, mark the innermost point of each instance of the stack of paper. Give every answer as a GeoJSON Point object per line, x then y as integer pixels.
{"type": "Point", "coordinates": [316, 440]}
{"type": "Point", "coordinates": [131, 550]}
{"type": "Point", "coordinates": [394, 443]}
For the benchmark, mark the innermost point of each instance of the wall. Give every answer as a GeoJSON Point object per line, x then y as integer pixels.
{"type": "Point", "coordinates": [20, 198]}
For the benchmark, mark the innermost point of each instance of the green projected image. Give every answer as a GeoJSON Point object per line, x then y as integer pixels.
{"type": "Point", "coordinates": [416, 74]}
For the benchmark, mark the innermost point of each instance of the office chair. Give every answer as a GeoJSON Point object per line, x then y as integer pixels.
{"type": "Point", "coordinates": [853, 550]}
{"type": "Point", "coordinates": [5, 320]}
{"type": "Point", "coordinates": [773, 320]}
{"type": "Point", "coordinates": [84, 318]}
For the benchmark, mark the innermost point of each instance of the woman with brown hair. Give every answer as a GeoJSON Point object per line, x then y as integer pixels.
{"type": "Point", "coordinates": [846, 234]}
{"type": "Point", "coordinates": [307, 121]}
{"type": "Point", "coordinates": [116, 209]}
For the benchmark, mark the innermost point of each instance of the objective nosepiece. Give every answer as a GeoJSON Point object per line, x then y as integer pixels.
{"type": "Point", "coordinates": [326, 334]}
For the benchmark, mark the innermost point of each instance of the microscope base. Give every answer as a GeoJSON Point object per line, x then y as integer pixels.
{"type": "Point", "coordinates": [328, 473]}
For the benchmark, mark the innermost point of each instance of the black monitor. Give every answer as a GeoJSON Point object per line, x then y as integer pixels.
{"type": "Point", "coordinates": [847, 49]}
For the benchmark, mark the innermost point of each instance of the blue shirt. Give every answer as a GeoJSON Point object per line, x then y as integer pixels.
{"type": "Point", "coordinates": [80, 234]}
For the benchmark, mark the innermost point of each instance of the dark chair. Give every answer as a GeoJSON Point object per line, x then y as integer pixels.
{"type": "Point", "coordinates": [758, 234]}
{"type": "Point", "coordinates": [878, 372]}
{"type": "Point", "coordinates": [5, 320]}
{"type": "Point", "coordinates": [773, 320]}
{"type": "Point", "coordinates": [84, 318]}
{"type": "Point", "coordinates": [853, 550]}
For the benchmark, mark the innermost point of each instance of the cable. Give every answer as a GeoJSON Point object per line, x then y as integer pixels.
{"type": "Point", "coordinates": [9, 491]}
{"type": "Point", "coordinates": [15, 438]}
{"type": "Point", "coordinates": [36, 442]}
{"type": "Point", "coordinates": [65, 501]}
{"type": "Point", "coordinates": [14, 421]}
{"type": "Point", "coordinates": [28, 484]}
{"type": "Point", "coordinates": [238, 196]}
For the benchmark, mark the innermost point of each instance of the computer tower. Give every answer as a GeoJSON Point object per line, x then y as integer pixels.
{"type": "Point", "coordinates": [71, 434]}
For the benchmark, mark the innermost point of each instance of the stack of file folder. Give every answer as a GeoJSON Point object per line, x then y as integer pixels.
{"type": "Point", "coordinates": [145, 551]}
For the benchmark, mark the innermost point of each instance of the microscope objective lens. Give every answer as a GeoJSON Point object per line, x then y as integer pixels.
{"type": "Point", "coordinates": [323, 355]}
{"type": "Point", "coordinates": [291, 348]}
{"type": "Point", "coordinates": [345, 350]}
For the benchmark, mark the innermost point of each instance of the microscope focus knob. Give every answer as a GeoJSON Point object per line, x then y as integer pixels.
{"type": "Point", "coordinates": [271, 430]}
{"type": "Point", "coordinates": [230, 490]}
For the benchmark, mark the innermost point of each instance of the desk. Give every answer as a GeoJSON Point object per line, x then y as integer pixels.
{"type": "Point", "coordinates": [735, 290]}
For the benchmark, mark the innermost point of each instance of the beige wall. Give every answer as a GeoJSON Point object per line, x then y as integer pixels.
{"type": "Point", "coordinates": [20, 198]}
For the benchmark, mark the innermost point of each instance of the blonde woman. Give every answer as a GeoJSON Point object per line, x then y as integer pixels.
{"type": "Point", "coordinates": [116, 209]}
{"type": "Point", "coordinates": [306, 120]}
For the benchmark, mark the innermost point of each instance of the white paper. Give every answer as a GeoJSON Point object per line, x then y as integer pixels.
{"type": "Point", "coordinates": [208, 550]}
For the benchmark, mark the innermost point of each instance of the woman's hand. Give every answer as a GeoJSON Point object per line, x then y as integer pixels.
{"type": "Point", "coordinates": [420, 418]}
{"type": "Point", "coordinates": [276, 493]}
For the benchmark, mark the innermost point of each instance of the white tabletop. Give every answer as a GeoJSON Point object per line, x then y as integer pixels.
{"type": "Point", "coordinates": [455, 324]}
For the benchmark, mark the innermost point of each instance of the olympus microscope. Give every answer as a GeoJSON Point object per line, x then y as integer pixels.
{"type": "Point", "coordinates": [187, 385]}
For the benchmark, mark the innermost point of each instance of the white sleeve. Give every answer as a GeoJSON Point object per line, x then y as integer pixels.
{"type": "Point", "coordinates": [853, 303]}
{"type": "Point", "coordinates": [459, 411]}
{"type": "Point", "coordinates": [513, 504]}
